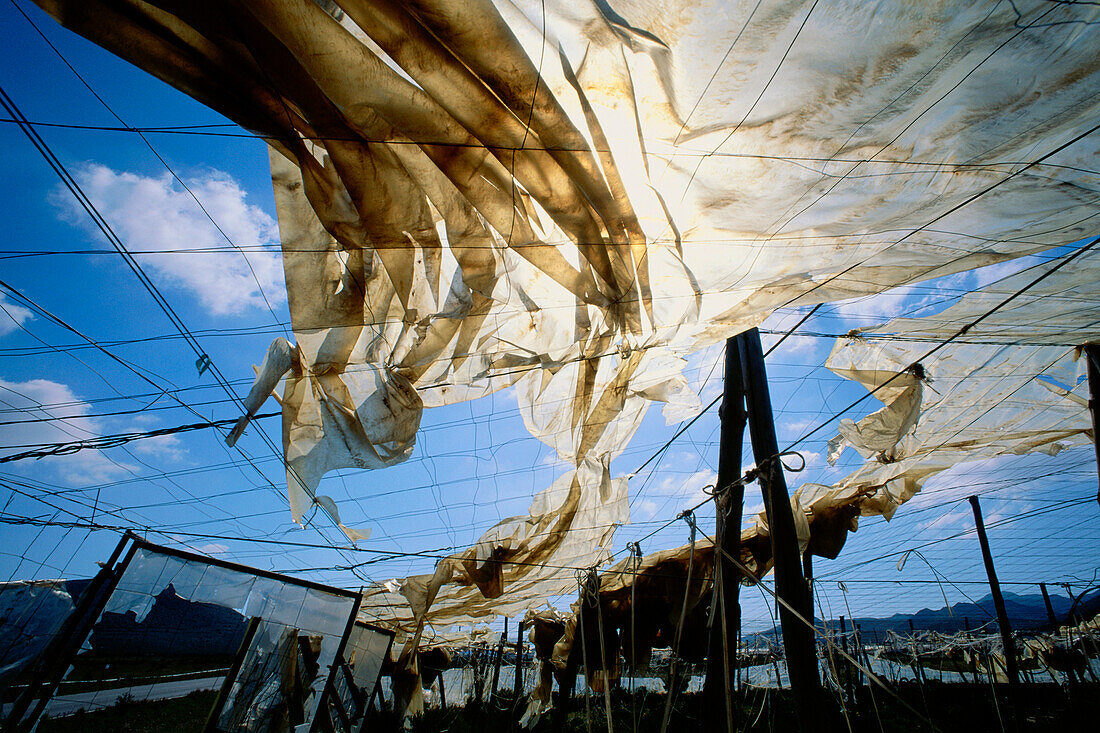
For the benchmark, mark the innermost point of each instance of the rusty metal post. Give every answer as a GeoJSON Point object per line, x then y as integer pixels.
{"type": "Point", "coordinates": [498, 660]}
{"type": "Point", "coordinates": [845, 665]}
{"type": "Point", "coordinates": [1050, 608]}
{"type": "Point", "coordinates": [517, 688]}
{"type": "Point", "coordinates": [1092, 357]}
{"type": "Point", "coordinates": [998, 599]}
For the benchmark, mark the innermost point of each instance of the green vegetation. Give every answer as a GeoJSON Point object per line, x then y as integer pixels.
{"type": "Point", "coordinates": [181, 715]}
{"type": "Point", "coordinates": [960, 708]}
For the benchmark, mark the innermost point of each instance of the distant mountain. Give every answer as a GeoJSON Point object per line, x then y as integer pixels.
{"type": "Point", "coordinates": [1025, 613]}
{"type": "Point", "coordinates": [173, 626]}
{"type": "Point", "coordinates": [76, 586]}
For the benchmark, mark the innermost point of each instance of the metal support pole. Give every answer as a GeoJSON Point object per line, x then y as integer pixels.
{"type": "Point", "coordinates": [916, 654]}
{"type": "Point", "coordinates": [498, 660]}
{"type": "Point", "coordinates": [798, 637]}
{"type": "Point", "coordinates": [845, 664]}
{"type": "Point", "coordinates": [861, 652]}
{"type": "Point", "coordinates": [1050, 608]}
{"type": "Point", "coordinates": [998, 599]}
{"type": "Point", "coordinates": [1092, 357]}
{"type": "Point", "coordinates": [729, 500]}
{"type": "Point", "coordinates": [517, 688]}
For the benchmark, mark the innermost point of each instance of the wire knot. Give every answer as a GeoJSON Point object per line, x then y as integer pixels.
{"type": "Point", "coordinates": [801, 457]}
{"type": "Point", "coordinates": [688, 515]}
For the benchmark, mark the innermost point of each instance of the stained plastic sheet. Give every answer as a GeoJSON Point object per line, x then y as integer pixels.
{"type": "Point", "coordinates": [357, 679]}
{"type": "Point", "coordinates": [1010, 380]}
{"type": "Point", "coordinates": [279, 683]}
{"type": "Point", "coordinates": [31, 613]}
{"type": "Point", "coordinates": [1012, 383]}
{"type": "Point", "coordinates": [567, 528]}
{"type": "Point", "coordinates": [174, 625]}
{"type": "Point", "coordinates": [366, 653]}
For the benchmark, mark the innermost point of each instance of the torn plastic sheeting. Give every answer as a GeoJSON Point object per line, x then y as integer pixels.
{"type": "Point", "coordinates": [649, 200]}
{"type": "Point", "coordinates": [468, 192]}
{"type": "Point", "coordinates": [982, 398]}
{"type": "Point", "coordinates": [31, 614]}
{"type": "Point", "coordinates": [570, 526]}
{"type": "Point", "coordinates": [879, 432]}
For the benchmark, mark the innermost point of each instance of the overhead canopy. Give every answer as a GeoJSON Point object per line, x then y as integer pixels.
{"type": "Point", "coordinates": [571, 196]}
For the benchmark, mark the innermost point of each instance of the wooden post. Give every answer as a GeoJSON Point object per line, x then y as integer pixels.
{"type": "Point", "coordinates": [567, 683]}
{"type": "Point", "coordinates": [1050, 609]}
{"type": "Point", "coordinates": [730, 497]}
{"type": "Point", "coordinates": [517, 688]}
{"type": "Point", "coordinates": [234, 669]}
{"type": "Point", "coordinates": [998, 599]}
{"type": "Point", "coordinates": [798, 636]}
{"type": "Point", "coordinates": [1092, 357]}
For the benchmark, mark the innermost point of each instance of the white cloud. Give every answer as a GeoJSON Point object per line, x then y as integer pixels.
{"type": "Point", "coordinates": [83, 467]}
{"type": "Point", "coordinates": [812, 458]}
{"type": "Point", "coordinates": [690, 487]}
{"type": "Point", "coordinates": [1012, 478]}
{"type": "Point", "coordinates": [804, 347]}
{"type": "Point", "coordinates": [924, 298]}
{"type": "Point", "coordinates": [12, 316]}
{"type": "Point", "coordinates": [795, 428]}
{"type": "Point", "coordinates": [872, 310]}
{"type": "Point", "coordinates": [801, 345]}
{"type": "Point", "coordinates": [644, 510]}
{"type": "Point", "coordinates": [950, 521]}
{"type": "Point", "coordinates": [213, 549]}
{"type": "Point", "coordinates": [156, 215]}
{"type": "Point", "coordinates": [992, 273]}
{"type": "Point", "coordinates": [674, 492]}
{"type": "Point", "coordinates": [796, 347]}
{"type": "Point", "coordinates": [33, 400]}
{"type": "Point", "coordinates": [166, 447]}
{"type": "Point", "coordinates": [552, 459]}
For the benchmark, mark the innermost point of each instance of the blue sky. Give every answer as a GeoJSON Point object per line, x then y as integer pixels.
{"type": "Point", "coordinates": [474, 463]}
